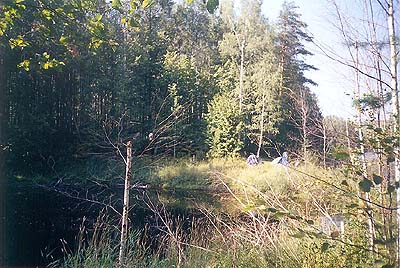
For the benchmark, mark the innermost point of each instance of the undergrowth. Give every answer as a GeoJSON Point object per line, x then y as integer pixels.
{"type": "Point", "coordinates": [268, 216]}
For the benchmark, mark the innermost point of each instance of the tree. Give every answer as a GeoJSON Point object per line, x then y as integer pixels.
{"type": "Point", "coordinates": [263, 108]}
{"type": "Point", "coordinates": [225, 126]}
{"type": "Point", "coordinates": [293, 88]}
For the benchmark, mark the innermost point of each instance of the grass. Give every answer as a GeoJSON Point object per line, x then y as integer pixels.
{"type": "Point", "coordinates": [246, 216]}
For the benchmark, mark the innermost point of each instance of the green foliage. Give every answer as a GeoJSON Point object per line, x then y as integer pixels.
{"type": "Point", "coordinates": [365, 185]}
{"type": "Point", "coordinates": [225, 126]}
{"type": "Point", "coordinates": [82, 77]}
{"type": "Point", "coordinates": [212, 5]}
{"type": "Point", "coordinates": [302, 115]}
{"type": "Point", "coordinates": [70, 77]}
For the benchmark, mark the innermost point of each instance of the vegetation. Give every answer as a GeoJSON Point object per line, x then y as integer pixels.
{"type": "Point", "coordinates": [83, 71]}
{"type": "Point", "coordinates": [265, 222]}
{"type": "Point", "coordinates": [196, 91]}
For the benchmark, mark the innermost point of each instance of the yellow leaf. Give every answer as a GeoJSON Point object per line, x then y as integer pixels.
{"type": "Point", "coordinates": [63, 40]}
{"type": "Point", "coordinates": [24, 64]}
{"type": "Point", "coordinates": [147, 3]}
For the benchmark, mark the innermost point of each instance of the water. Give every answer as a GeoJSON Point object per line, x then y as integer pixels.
{"type": "Point", "coordinates": [37, 223]}
{"type": "Point", "coordinates": [34, 222]}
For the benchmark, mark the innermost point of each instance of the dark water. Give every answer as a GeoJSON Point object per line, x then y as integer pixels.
{"type": "Point", "coordinates": [34, 222]}
{"type": "Point", "coordinates": [37, 222]}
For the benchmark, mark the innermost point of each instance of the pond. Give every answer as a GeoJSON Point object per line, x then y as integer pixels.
{"type": "Point", "coordinates": [34, 223]}
{"type": "Point", "coordinates": [37, 222]}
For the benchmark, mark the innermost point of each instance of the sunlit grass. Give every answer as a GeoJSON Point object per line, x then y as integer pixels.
{"type": "Point", "coordinates": [259, 216]}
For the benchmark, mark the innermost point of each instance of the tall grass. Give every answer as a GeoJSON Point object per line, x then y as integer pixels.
{"type": "Point", "coordinates": [269, 217]}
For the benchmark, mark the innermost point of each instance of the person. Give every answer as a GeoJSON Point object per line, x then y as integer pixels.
{"type": "Point", "coordinates": [283, 160]}
{"type": "Point", "coordinates": [252, 160]}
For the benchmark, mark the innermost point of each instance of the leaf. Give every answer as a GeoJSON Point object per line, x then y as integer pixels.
{"type": "Point", "coordinates": [47, 14]}
{"type": "Point", "coordinates": [365, 185]}
{"type": "Point", "coordinates": [24, 64]}
{"type": "Point", "coordinates": [98, 17]}
{"type": "Point", "coordinates": [391, 188]}
{"type": "Point", "coordinates": [353, 205]}
{"type": "Point", "coordinates": [390, 159]}
{"type": "Point", "coordinates": [298, 235]}
{"type": "Point", "coordinates": [379, 263]}
{"type": "Point", "coordinates": [387, 266]}
{"type": "Point", "coordinates": [147, 3]}
{"type": "Point", "coordinates": [294, 217]}
{"type": "Point", "coordinates": [311, 222]}
{"type": "Point", "coordinates": [377, 179]}
{"type": "Point", "coordinates": [189, 1]}
{"type": "Point", "coordinates": [134, 5]}
{"type": "Point", "coordinates": [46, 65]}
{"type": "Point", "coordinates": [335, 234]}
{"type": "Point", "coordinates": [248, 207]}
{"type": "Point", "coordinates": [133, 23]}
{"type": "Point", "coordinates": [18, 42]}
{"type": "Point", "coordinates": [324, 246]}
{"type": "Point", "coordinates": [63, 40]}
{"type": "Point", "coordinates": [116, 4]}
{"type": "Point", "coordinates": [212, 5]}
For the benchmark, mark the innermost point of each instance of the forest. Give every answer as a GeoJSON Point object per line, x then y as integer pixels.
{"type": "Point", "coordinates": [125, 128]}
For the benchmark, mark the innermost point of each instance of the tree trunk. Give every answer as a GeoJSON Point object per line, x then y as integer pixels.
{"type": "Point", "coordinates": [325, 139]}
{"type": "Point", "coordinates": [260, 142]}
{"type": "Point", "coordinates": [395, 113]}
{"type": "Point", "coordinates": [3, 124]}
{"type": "Point", "coordinates": [369, 211]}
{"type": "Point", "coordinates": [3, 109]}
{"type": "Point", "coordinates": [124, 227]}
{"type": "Point", "coordinates": [349, 142]}
{"type": "Point", "coordinates": [304, 115]}
{"type": "Point", "coordinates": [241, 75]}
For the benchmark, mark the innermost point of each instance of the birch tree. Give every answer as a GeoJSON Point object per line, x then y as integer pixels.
{"type": "Point", "coordinates": [395, 112]}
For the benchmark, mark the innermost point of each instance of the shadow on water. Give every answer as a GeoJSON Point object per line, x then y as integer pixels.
{"type": "Point", "coordinates": [37, 221]}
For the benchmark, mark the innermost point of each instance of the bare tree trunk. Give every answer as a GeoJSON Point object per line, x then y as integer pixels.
{"type": "Point", "coordinates": [349, 142]}
{"type": "Point", "coordinates": [325, 138]}
{"type": "Point", "coordinates": [241, 75]}
{"type": "Point", "coordinates": [304, 115]}
{"type": "Point", "coordinates": [125, 210]}
{"type": "Point", "coordinates": [395, 113]}
{"type": "Point", "coordinates": [369, 211]}
{"type": "Point", "coordinates": [261, 127]}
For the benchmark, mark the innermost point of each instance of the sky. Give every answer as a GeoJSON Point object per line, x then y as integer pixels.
{"type": "Point", "coordinates": [334, 86]}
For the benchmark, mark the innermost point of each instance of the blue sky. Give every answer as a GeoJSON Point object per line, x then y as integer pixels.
{"type": "Point", "coordinates": [334, 80]}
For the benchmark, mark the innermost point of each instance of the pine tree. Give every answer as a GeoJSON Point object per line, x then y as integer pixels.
{"type": "Point", "coordinates": [294, 85]}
